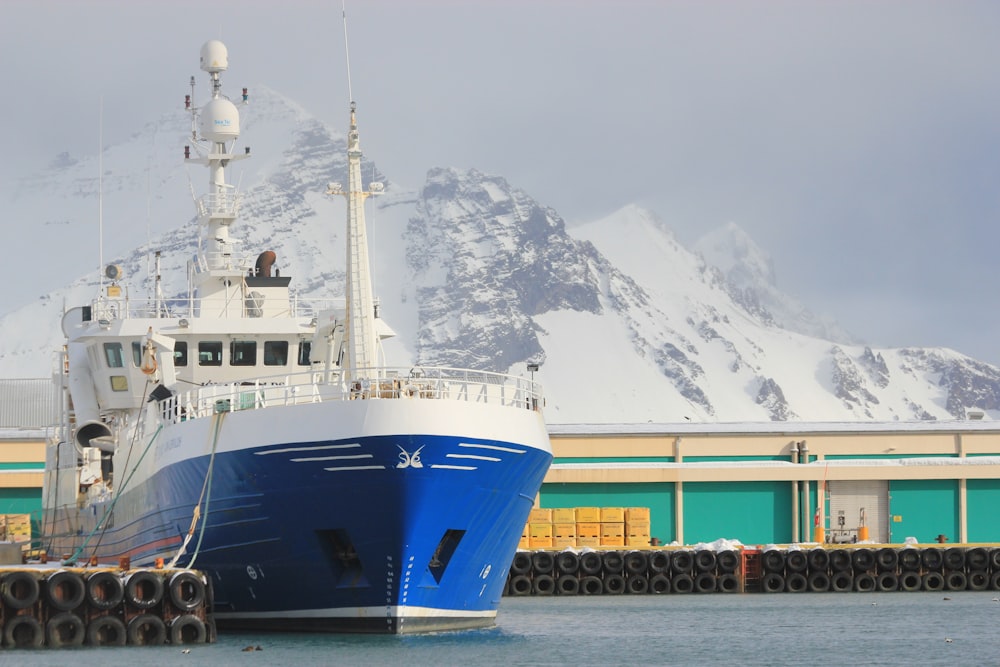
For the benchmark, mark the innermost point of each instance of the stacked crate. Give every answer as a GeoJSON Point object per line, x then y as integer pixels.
{"type": "Point", "coordinates": [564, 528]}
{"type": "Point", "coordinates": [540, 528]}
{"type": "Point", "coordinates": [17, 527]}
{"type": "Point", "coordinates": [637, 527]}
{"type": "Point", "coordinates": [612, 526]}
{"type": "Point", "coordinates": [580, 527]}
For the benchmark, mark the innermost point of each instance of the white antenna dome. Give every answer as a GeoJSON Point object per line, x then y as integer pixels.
{"type": "Point", "coordinates": [214, 56]}
{"type": "Point", "coordinates": [219, 120]}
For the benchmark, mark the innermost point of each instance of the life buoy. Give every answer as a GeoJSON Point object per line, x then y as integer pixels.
{"type": "Point", "coordinates": [841, 582]}
{"type": "Point", "coordinates": [19, 590]}
{"type": "Point", "coordinates": [143, 589]}
{"type": "Point", "coordinates": [568, 562]}
{"type": "Point", "coordinates": [65, 629]}
{"type": "Point", "coordinates": [728, 583]}
{"type": "Point", "coordinates": [887, 582]}
{"type": "Point", "coordinates": [614, 584]}
{"type": "Point", "coordinates": [659, 584]}
{"type": "Point", "coordinates": [818, 582]}
{"type": "Point", "coordinates": [542, 562]}
{"type": "Point", "coordinates": [146, 630]}
{"type": "Point", "coordinates": [591, 585]}
{"type": "Point", "coordinates": [106, 631]}
{"type": "Point", "coordinates": [705, 582]}
{"type": "Point", "coordinates": [148, 359]}
{"type": "Point", "coordinates": [23, 632]}
{"type": "Point", "coordinates": [188, 629]}
{"type": "Point", "coordinates": [187, 591]}
{"type": "Point", "coordinates": [682, 583]}
{"type": "Point", "coordinates": [520, 585]}
{"type": "Point", "coordinates": [637, 584]}
{"type": "Point", "coordinates": [864, 583]}
{"type": "Point", "coordinates": [773, 583]}
{"type": "Point", "coordinates": [64, 590]}
{"type": "Point", "coordinates": [796, 582]}
{"type": "Point", "coordinates": [104, 590]}
{"type": "Point", "coordinates": [543, 584]}
{"type": "Point", "coordinates": [636, 562]}
{"type": "Point", "coordinates": [568, 585]}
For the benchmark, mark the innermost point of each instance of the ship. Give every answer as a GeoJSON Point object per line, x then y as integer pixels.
{"type": "Point", "coordinates": [261, 437]}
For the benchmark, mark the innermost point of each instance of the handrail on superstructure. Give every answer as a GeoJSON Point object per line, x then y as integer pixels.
{"type": "Point", "coordinates": [382, 384]}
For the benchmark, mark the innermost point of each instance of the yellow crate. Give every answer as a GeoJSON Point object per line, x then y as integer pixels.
{"type": "Point", "coordinates": [637, 540]}
{"type": "Point", "coordinates": [612, 529]}
{"type": "Point", "coordinates": [612, 515]}
{"type": "Point", "coordinates": [612, 540]}
{"type": "Point", "coordinates": [564, 530]}
{"type": "Point", "coordinates": [539, 530]}
{"type": "Point", "coordinates": [540, 542]}
{"type": "Point", "coordinates": [540, 515]}
{"type": "Point", "coordinates": [637, 528]}
{"type": "Point", "coordinates": [588, 529]}
{"type": "Point", "coordinates": [564, 515]}
{"type": "Point", "coordinates": [524, 543]}
{"type": "Point", "coordinates": [563, 542]}
{"type": "Point", "coordinates": [636, 514]}
{"type": "Point", "coordinates": [588, 514]}
{"type": "Point", "coordinates": [588, 541]}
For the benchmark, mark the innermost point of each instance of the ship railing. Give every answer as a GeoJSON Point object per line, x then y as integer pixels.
{"type": "Point", "coordinates": [409, 383]}
{"type": "Point", "coordinates": [220, 205]}
{"type": "Point", "coordinates": [114, 308]}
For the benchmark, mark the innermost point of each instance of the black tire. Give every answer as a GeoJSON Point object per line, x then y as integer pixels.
{"type": "Point", "coordinates": [65, 629]}
{"type": "Point", "coordinates": [568, 562]}
{"type": "Point", "coordinates": [64, 590]}
{"type": "Point", "coordinates": [931, 558]}
{"type": "Point", "coordinates": [143, 589]}
{"type": "Point", "coordinates": [146, 630]}
{"type": "Point", "coordinates": [613, 562]}
{"type": "Point", "coordinates": [104, 590]}
{"type": "Point", "coordinates": [796, 582]}
{"type": "Point", "coordinates": [910, 581]}
{"type": "Point", "coordinates": [568, 584]}
{"type": "Point", "coordinates": [954, 558]}
{"type": "Point", "coordinates": [995, 560]}
{"type": "Point", "coordinates": [932, 581]}
{"type": "Point", "coordinates": [590, 563]}
{"type": "Point", "coordinates": [705, 582]}
{"type": "Point", "coordinates": [773, 561]}
{"type": "Point", "coordinates": [728, 561]}
{"type": "Point", "coordinates": [591, 585]}
{"type": "Point", "coordinates": [863, 560]}
{"type": "Point", "coordinates": [796, 561]}
{"type": "Point", "coordinates": [188, 629]}
{"type": "Point", "coordinates": [637, 584]}
{"type": "Point", "coordinates": [682, 583]}
{"type": "Point", "coordinates": [840, 560]}
{"type": "Point", "coordinates": [520, 585]}
{"type": "Point", "coordinates": [979, 580]}
{"type": "Point", "coordinates": [659, 584]}
{"type": "Point", "coordinates": [636, 562]}
{"type": "Point", "coordinates": [819, 560]}
{"type": "Point", "coordinates": [614, 584]}
{"type": "Point", "coordinates": [19, 590]}
{"type": "Point", "coordinates": [521, 563]}
{"type": "Point", "coordinates": [887, 559]}
{"type": "Point", "coordinates": [542, 562]}
{"type": "Point", "coordinates": [887, 581]}
{"type": "Point", "coordinates": [705, 560]}
{"type": "Point", "coordinates": [819, 582]}
{"type": "Point", "coordinates": [659, 561]}
{"type": "Point", "coordinates": [23, 632]}
{"type": "Point", "coordinates": [842, 582]}
{"type": "Point", "coordinates": [728, 583]}
{"type": "Point", "coordinates": [773, 583]}
{"type": "Point", "coordinates": [543, 584]}
{"type": "Point", "coordinates": [106, 631]}
{"type": "Point", "coordinates": [956, 581]}
{"type": "Point", "coordinates": [909, 559]}
{"type": "Point", "coordinates": [977, 559]}
{"type": "Point", "coordinates": [682, 562]}
{"type": "Point", "coordinates": [995, 581]}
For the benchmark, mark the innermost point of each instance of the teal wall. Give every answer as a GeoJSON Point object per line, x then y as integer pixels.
{"type": "Point", "coordinates": [751, 512]}
{"type": "Point", "coordinates": [657, 496]}
{"type": "Point", "coordinates": [925, 508]}
{"type": "Point", "coordinates": [20, 501]}
{"type": "Point", "coordinates": [982, 497]}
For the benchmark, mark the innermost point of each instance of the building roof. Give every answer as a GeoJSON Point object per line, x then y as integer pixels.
{"type": "Point", "coordinates": [28, 404]}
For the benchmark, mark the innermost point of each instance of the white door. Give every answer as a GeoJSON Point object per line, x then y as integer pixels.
{"type": "Point", "coordinates": [856, 503]}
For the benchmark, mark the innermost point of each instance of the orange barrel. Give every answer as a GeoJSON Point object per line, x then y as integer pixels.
{"type": "Point", "coordinates": [862, 533]}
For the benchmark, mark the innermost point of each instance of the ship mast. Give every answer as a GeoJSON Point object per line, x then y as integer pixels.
{"type": "Point", "coordinates": [361, 337]}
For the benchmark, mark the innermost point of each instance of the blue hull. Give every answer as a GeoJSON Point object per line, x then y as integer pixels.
{"type": "Point", "coordinates": [387, 534]}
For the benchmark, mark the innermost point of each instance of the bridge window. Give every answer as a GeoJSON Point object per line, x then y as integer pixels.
{"type": "Point", "coordinates": [210, 353]}
{"type": "Point", "coordinates": [305, 348]}
{"type": "Point", "coordinates": [243, 353]}
{"type": "Point", "coordinates": [113, 353]}
{"type": "Point", "coordinates": [180, 353]}
{"type": "Point", "coordinates": [275, 352]}
{"type": "Point", "coordinates": [136, 353]}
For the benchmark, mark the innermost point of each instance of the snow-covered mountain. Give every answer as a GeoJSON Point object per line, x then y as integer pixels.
{"type": "Point", "coordinates": [627, 324]}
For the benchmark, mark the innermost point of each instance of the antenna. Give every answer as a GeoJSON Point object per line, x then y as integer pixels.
{"type": "Point", "coordinates": [100, 192]}
{"type": "Point", "coordinates": [347, 54]}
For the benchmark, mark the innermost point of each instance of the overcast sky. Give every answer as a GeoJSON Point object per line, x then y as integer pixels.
{"type": "Point", "coordinates": [857, 142]}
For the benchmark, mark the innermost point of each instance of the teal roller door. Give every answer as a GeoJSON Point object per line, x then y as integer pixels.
{"type": "Point", "coordinates": [982, 500]}
{"type": "Point", "coordinates": [924, 509]}
{"type": "Point", "coordinates": [751, 512]}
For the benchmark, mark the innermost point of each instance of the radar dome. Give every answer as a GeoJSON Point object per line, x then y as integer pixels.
{"type": "Point", "coordinates": [219, 120]}
{"type": "Point", "coordinates": [214, 56]}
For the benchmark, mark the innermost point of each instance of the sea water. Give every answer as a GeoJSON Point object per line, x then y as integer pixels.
{"type": "Point", "coordinates": [961, 628]}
